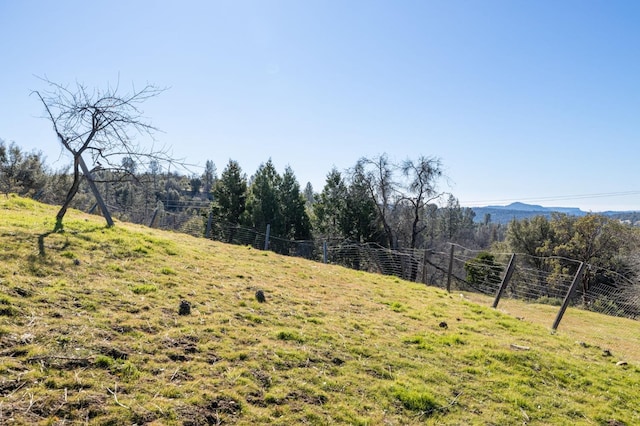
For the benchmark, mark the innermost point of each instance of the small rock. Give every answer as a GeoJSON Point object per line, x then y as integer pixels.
{"type": "Point", "coordinates": [337, 361]}
{"type": "Point", "coordinates": [27, 338]}
{"type": "Point", "coordinates": [185, 308]}
{"type": "Point", "coordinates": [22, 292]}
{"type": "Point", "coordinates": [606, 352]}
{"type": "Point", "coordinates": [76, 262]}
{"type": "Point", "coordinates": [621, 363]}
{"type": "Point", "coordinates": [443, 325]}
{"type": "Point", "coordinates": [519, 347]}
{"type": "Point", "coordinates": [260, 297]}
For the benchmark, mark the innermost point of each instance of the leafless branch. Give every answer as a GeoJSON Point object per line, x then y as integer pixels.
{"type": "Point", "coordinates": [115, 396]}
{"type": "Point", "coordinates": [104, 123]}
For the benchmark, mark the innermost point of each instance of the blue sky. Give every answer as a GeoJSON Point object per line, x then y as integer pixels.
{"type": "Point", "coordinates": [534, 101]}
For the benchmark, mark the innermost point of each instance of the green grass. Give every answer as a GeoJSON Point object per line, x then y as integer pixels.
{"type": "Point", "coordinates": [90, 334]}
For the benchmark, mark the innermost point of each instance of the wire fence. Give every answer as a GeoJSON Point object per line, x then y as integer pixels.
{"type": "Point", "coordinates": [552, 281]}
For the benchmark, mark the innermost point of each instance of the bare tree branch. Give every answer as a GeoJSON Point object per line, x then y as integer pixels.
{"type": "Point", "coordinates": [104, 123]}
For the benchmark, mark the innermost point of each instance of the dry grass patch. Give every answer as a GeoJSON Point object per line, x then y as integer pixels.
{"type": "Point", "coordinates": [91, 333]}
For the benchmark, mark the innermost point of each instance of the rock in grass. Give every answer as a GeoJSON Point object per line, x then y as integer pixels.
{"type": "Point", "coordinates": [185, 308]}
{"type": "Point", "coordinates": [260, 296]}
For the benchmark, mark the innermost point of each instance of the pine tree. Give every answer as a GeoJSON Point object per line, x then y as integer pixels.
{"type": "Point", "coordinates": [230, 194]}
{"type": "Point", "coordinates": [296, 223]}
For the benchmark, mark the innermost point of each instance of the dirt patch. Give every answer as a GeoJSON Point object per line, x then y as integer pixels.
{"type": "Point", "coordinates": [112, 352]}
{"type": "Point", "coordinates": [178, 357]}
{"type": "Point", "coordinates": [8, 387]}
{"type": "Point", "coordinates": [61, 362]}
{"type": "Point", "coordinates": [256, 398]}
{"type": "Point", "coordinates": [122, 328]}
{"type": "Point", "coordinates": [306, 398]}
{"type": "Point", "coordinates": [216, 411]}
{"type": "Point", "coordinates": [263, 378]}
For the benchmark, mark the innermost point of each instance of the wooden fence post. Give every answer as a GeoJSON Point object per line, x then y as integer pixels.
{"type": "Point", "coordinates": [505, 280]}
{"type": "Point", "coordinates": [567, 298]}
{"type": "Point", "coordinates": [450, 272]}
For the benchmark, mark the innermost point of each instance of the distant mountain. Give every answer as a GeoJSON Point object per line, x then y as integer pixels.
{"type": "Point", "coordinates": [520, 206]}
{"type": "Point", "coordinates": [519, 211]}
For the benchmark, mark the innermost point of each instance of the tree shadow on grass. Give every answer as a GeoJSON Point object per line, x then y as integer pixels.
{"type": "Point", "coordinates": [41, 237]}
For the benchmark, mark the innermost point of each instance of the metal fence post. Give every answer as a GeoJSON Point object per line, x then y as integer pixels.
{"type": "Point", "coordinates": [266, 237]}
{"type": "Point", "coordinates": [505, 280]}
{"type": "Point", "coordinates": [450, 272]}
{"type": "Point", "coordinates": [567, 298]}
{"type": "Point", "coordinates": [425, 262]}
{"type": "Point", "coordinates": [153, 218]}
{"type": "Point", "coordinates": [207, 232]}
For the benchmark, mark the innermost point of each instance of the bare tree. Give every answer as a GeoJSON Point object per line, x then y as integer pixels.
{"type": "Point", "coordinates": [396, 196]}
{"type": "Point", "coordinates": [377, 175]}
{"type": "Point", "coordinates": [101, 123]}
{"type": "Point", "coordinates": [401, 202]}
{"type": "Point", "coordinates": [422, 178]}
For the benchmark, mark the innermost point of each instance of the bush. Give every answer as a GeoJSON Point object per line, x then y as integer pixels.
{"type": "Point", "coordinates": [483, 273]}
{"type": "Point", "coordinates": [547, 300]}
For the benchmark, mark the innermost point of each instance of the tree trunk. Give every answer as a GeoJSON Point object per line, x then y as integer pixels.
{"type": "Point", "coordinates": [96, 192]}
{"type": "Point", "coordinates": [70, 194]}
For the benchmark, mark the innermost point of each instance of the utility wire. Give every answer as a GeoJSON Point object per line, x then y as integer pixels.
{"type": "Point", "coordinates": [553, 198]}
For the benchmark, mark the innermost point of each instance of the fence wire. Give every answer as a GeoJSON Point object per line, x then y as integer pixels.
{"type": "Point", "coordinates": [534, 279]}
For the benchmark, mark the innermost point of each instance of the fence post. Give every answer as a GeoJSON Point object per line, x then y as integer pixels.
{"type": "Point", "coordinates": [207, 233]}
{"type": "Point", "coordinates": [153, 218]}
{"type": "Point", "coordinates": [324, 251]}
{"type": "Point", "coordinates": [450, 272]}
{"type": "Point", "coordinates": [425, 262]}
{"type": "Point", "coordinates": [505, 280]}
{"type": "Point", "coordinates": [266, 237]}
{"type": "Point", "coordinates": [567, 298]}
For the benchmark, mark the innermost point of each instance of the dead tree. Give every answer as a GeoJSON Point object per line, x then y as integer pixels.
{"type": "Point", "coordinates": [377, 176]}
{"type": "Point", "coordinates": [422, 178]}
{"type": "Point", "coordinates": [102, 124]}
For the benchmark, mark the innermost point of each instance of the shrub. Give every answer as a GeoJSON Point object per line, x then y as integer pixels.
{"type": "Point", "coordinates": [483, 273]}
{"type": "Point", "coordinates": [547, 300]}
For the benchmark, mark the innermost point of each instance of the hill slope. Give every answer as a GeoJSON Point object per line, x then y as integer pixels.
{"type": "Point", "coordinates": [90, 332]}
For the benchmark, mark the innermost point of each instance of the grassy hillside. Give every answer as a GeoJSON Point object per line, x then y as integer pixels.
{"type": "Point", "coordinates": [90, 333]}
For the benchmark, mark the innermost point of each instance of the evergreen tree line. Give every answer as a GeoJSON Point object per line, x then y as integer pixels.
{"type": "Point", "coordinates": [396, 206]}
{"type": "Point", "coordinates": [373, 202]}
